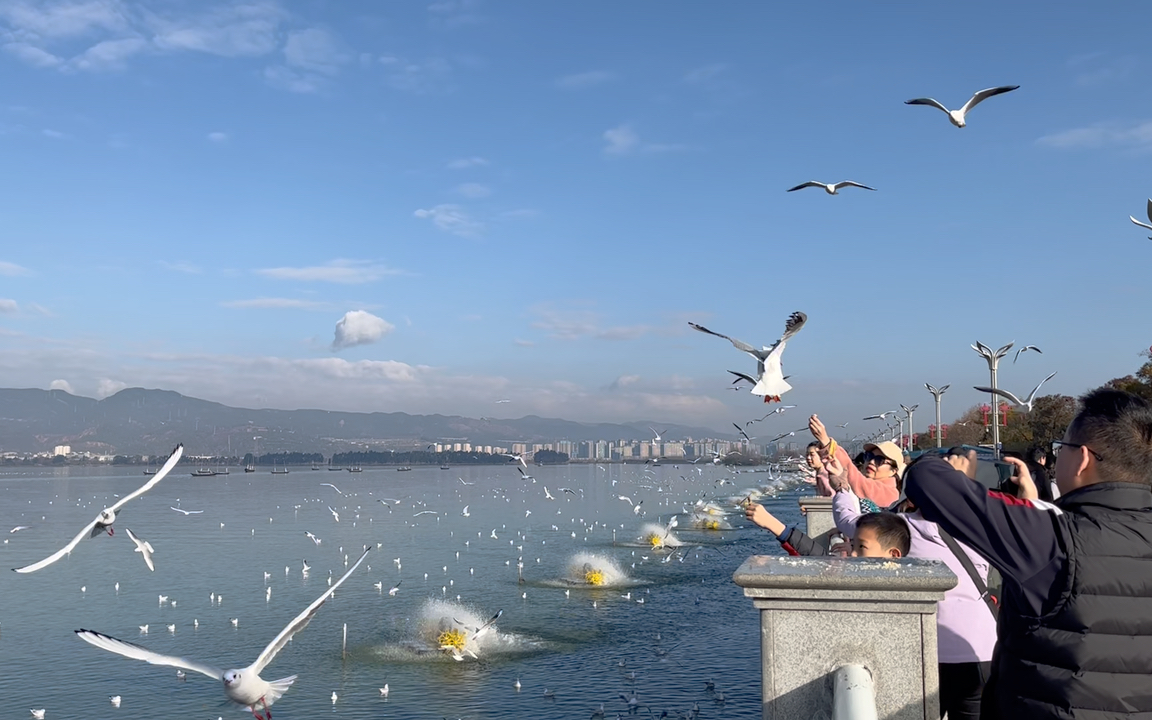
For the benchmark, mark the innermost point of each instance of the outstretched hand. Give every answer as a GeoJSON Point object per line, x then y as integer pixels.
{"type": "Point", "coordinates": [964, 463]}
{"type": "Point", "coordinates": [837, 475]}
{"type": "Point", "coordinates": [818, 431]}
{"type": "Point", "coordinates": [758, 515]}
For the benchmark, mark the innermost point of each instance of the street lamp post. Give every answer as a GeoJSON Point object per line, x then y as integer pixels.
{"type": "Point", "coordinates": [993, 357]}
{"type": "Point", "coordinates": [936, 393]}
{"type": "Point", "coordinates": [909, 411]}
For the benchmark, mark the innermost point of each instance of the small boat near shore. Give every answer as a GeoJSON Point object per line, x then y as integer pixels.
{"type": "Point", "coordinates": [403, 469]}
{"type": "Point", "coordinates": [204, 472]}
{"type": "Point", "coordinates": [355, 468]}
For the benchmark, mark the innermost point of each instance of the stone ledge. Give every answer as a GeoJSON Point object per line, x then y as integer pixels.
{"type": "Point", "coordinates": [885, 577]}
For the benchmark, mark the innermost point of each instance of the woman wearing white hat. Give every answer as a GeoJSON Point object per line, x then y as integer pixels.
{"type": "Point", "coordinates": [883, 466]}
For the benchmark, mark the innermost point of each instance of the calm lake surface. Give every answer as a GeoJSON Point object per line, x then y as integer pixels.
{"type": "Point", "coordinates": [586, 646]}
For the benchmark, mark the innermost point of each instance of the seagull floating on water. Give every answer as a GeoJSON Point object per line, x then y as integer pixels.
{"type": "Point", "coordinates": [957, 116]}
{"type": "Point", "coordinates": [770, 382]}
{"type": "Point", "coordinates": [831, 189]}
{"type": "Point", "coordinates": [243, 686]}
{"type": "Point", "coordinates": [1026, 404]}
{"type": "Point", "coordinates": [107, 516]}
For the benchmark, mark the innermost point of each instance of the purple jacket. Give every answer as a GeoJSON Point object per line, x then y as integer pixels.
{"type": "Point", "coordinates": [965, 629]}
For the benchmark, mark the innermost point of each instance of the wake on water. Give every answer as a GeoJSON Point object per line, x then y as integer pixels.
{"type": "Point", "coordinates": [445, 623]}
{"type": "Point", "coordinates": [589, 570]}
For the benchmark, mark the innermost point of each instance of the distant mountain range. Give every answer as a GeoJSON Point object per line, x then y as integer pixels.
{"type": "Point", "coordinates": [136, 421]}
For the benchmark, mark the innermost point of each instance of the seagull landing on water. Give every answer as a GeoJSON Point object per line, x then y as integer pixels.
{"type": "Point", "coordinates": [1144, 225]}
{"type": "Point", "coordinates": [243, 686]}
{"type": "Point", "coordinates": [107, 516]}
{"type": "Point", "coordinates": [831, 189]}
{"type": "Point", "coordinates": [1026, 404]}
{"type": "Point", "coordinates": [957, 116]}
{"type": "Point", "coordinates": [770, 381]}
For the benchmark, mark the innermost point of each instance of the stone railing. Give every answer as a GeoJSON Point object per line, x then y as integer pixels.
{"type": "Point", "coordinates": [818, 515]}
{"type": "Point", "coordinates": [820, 614]}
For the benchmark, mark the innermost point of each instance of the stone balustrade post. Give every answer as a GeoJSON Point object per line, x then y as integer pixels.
{"type": "Point", "coordinates": [818, 514]}
{"type": "Point", "coordinates": [820, 613]}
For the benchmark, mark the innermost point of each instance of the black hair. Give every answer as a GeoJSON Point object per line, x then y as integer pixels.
{"type": "Point", "coordinates": [815, 444]}
{"type": "Point", "coordinates": [1037, 455]}
{"type": "Point", "coordinates": [1118, 426]}
{"type": "Point", "coordinates": [891, 530]}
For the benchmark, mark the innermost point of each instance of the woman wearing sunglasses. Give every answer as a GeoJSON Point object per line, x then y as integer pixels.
{"type": "Point", "coordinates": [883, 466]}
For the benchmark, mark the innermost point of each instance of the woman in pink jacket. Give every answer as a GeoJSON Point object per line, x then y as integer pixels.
{"type": "Point", "coordinates": [883, 466]}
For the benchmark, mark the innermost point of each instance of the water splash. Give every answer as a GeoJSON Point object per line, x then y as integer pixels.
{"type": "Point", "coordinates": [591, 570]}
{"type": "Point", "coordinates": [658, 536]}
{"type": "Point", "coordinates": [444, 624]}
{"type": "Point", "coordinates": [700, 521]}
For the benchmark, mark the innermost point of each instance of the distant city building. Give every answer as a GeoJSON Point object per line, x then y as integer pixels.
{"type": "Point", "coordinates": [62, 450]}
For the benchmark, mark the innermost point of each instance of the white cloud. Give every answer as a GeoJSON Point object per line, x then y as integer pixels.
{"type": "Point", "coordinates": [61, 385]}
{"type": "Point", "coordinates": [12, 269]}
{"type": "Point", "coordinates": [431, 75]}
{"type": "Point", "coordinates": [358, 327]}
{"type": "Point", "coordinates": [451, 218]}
{"type": "Point", "coordinates": [64, 18]}
{"type": "Point", "coordinates": [184, 267]}
{"type": "Point", "coordinates": [704, 73]}
{"type": "Point", "coordinates": [245, 30]}
{"type": "Point", "coordinates": [9, 306]}
{"type": "Point", "coordinates": [218, 137]}
{"type": "Point", "coordinates": [107, 387]}
{"type": "Point", "coordinates": [54, 134]}
{"type": "Point", "coordinates": [523, 343]}
{"type": "Point", "coordinates": [455, 13]}
{"type": "Point", "coordinates": [285, 78]}
{"type": "Point", "coordinates": [33, 56]}
{"type": "Point", "coordinates": [473, 190]}
{"type": "Point", "coordinates": [277, 303]}
{"type": "Point", "coordinates": [620, 140]}
{"type": "Point", "coordinates": [109, 54]}
{"type": "Point", "coordinates": [1136, 135]}
{"type": "Point", "coordinates": [348, 272]}
{"type": "Point", "coordinates": [623, 140]}
{"type": "Point", "coordinates": [468, 162]}
{"type": "Point", "coordinates": [316, 50]}
{"type": "Point", "coordinates": [579, 81]}
{"type": "Point", "coordinates": [624, 381]}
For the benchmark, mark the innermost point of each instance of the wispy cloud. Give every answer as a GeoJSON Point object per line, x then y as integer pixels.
{"type": "Point", "coordinates": [1101, 68]}
{"type": "Point", "coordinates": [358, 327]}
{"type": "Point", "coordinates": [310, 56]}
{"type": "Point", "coordinates": [426, 76]}
{"type": "Point", "coordinates": [12, 269]}
{"type": "Point", "coordinates": [9, 306]}
{"type": "Point", "coordinates": [348, 272]}
{"type": "Point", "coordinates": [523, 343]}
{"type": "Point", "coordinates": [218, 137]}
{"type": "Point", "coordinates": [473, 190]}
{"type": "Point", "coordinates": [623, 140]}
{"type": "Point", "coordinates": [580, 81]}
{"type": "Point", "coordinates": [468, 162]}
{"type": "Point", "coordinates": [704, 73]}
{"type": "Point", "coordinates": [574, 323]}
{"type": "Point", "coordinates": [55, 134]}
{"type": "Point", "coordinates": [1132, 136]}
{"type": "Point", "coordinates": [182, 266]}
{"type": "Point", "coordinates": [451, 218]}
{"type": "Point", "coordinates": [455, 13]}
{"type": "Point", "coordinates": [277, 303]}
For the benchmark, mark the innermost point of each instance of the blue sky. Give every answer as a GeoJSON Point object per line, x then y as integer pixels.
{"type": "Point", "coordinates": [530, 200]}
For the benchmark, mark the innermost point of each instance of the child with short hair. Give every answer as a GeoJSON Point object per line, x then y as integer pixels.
{"type": "Point", "coordinates": [881, 535]}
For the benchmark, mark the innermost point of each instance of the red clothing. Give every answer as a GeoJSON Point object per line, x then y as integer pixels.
{"type": "Point", "coordinates": [881, 491]}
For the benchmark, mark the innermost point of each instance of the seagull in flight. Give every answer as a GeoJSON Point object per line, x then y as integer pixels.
{"type": "Point", "coordinates": [478, 631]}
{"type": "Point", "coordinates": [107, 516]}
{"type": "Point", "coordinates": [881, 416]}
{"type": "Point", "coordinates": [143, 547]}
{"type": "Point", "coordinates": [516, 458]}
{"type": "Point", "coordinates": [788, 434]}
{"type": "Point", "coordinates": [1025, 349]}
{"type": "Point", "coordinates": [778, 411]}
{"type": "Point", "coordinates": [741, 431]}
{"type": "Point", "coordinates": [18, 528]}
{"type": "Point", "coordinates": [501, 402]}
{"type": "Point", "coordinates": [831, 189]}
{"type": "Point", "coordinates": [465, 512]}
{"type": "Point", "coordinates": [656, 435]}
{"type": "Point", "coordinates": [313, 538]}
{"type": "Point", "coordinates": [394, 588]}
{"type": "Point", "coordinates": [770, 382]}
{"type": "Point", "coordinates": [957, 116]}
{"type": "Point", "coordinates": [1026, 404]}
{"type": "Point", "coordinates": [1144, 225]}
{"type": "Point", "coordinates": [186, 512]}
{"type": "Point", "coordinates": [334, 513]}
{"type": "Point", "coordinates": [243, 686]}
{"type": "Point", "coordinates": [331, 486]}
{"type": "Point", "coordinates": [464, 483]}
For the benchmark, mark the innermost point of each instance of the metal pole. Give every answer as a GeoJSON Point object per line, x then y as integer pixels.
{"type": "Point", "coordinates": [993, 358]}
{"type": "Point", "coordinates": [853, 694]}
{"type": "Point", "coordinates": [936, 393]}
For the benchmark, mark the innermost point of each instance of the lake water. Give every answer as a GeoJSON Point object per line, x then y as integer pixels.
{"type": "Point", "coordinates": [586, 646]}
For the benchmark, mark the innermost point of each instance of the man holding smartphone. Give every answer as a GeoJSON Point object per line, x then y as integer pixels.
{"type": "Point", "coordinates": [1075, 625]}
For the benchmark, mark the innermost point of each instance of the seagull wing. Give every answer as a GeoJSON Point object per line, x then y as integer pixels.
{"type": "Point", "coordinates": [488, 624]}
{"type": "Point", "coordinates": [144, 548]}
{"type": "Point", "coordinates": [167, 468]}
{"type": "Point", "coordinates": [850, 183]}
{"type": "Point", "coordinates": [795, 321]}
{"type": "Point", "coordinates": [810, 183]}
{"type": "Point", "coordinates": [1032, 395]}
{"type": "Point", "coordinates": [61, 552]}
{"type": "Point", "coordinates": [926, 101]}
{"type": "Point", "coordinates": [331, 486]}
{"type": "Point", "coordinates": [984, 95]}
{"type": "Point", "coordinates": [1001, 393]}
{"type": "Point", "coordinates": [738, 344]}
{"type": "Point", "coordinates": [136, 652]}
{"type": "Point", "coordinates": [300, 621]}
{"type": "Point", "coordinates": [741, 376]}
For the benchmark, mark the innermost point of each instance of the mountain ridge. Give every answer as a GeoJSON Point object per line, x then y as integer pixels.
{"type": "Point", "coordinates": [137, 421]}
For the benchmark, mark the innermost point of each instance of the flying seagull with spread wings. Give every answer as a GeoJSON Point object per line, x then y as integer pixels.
{"type": "Point", "coordinates": [770, 381]}
{"type": "Point", "coordinates": [1025, 404]}
{"type": "Point", "coordinates": [244, 685]}
{"type": "Point", "coordinates": [957, 116]}
{"type": "Point", "coordinates": [830, 188]}
{"type": "Point", "coordinates": [107, 516]}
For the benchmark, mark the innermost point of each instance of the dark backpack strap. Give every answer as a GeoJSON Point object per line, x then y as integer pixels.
{"type": "Point", "coordinates": [981, 586]}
